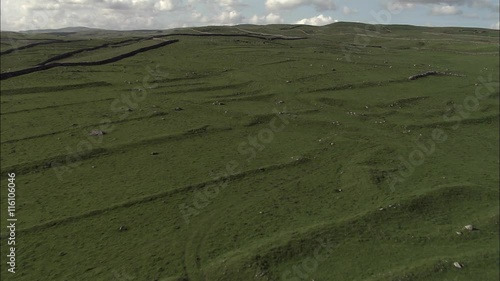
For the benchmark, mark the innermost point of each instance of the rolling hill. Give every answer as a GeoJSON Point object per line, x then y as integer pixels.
{"type": "Point", "coordinates": [279, 152]}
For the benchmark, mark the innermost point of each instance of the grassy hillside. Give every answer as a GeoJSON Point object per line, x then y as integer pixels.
{"type": "Point", "coordinates": [280, 152]}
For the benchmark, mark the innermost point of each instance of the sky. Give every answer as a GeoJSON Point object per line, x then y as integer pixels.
{"type": "Point", "coordinates": [18, 15]}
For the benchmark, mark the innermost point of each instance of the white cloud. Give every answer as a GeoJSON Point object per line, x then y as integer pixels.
{"type": "Point", "coordinates": [472, 16]}
{"type": "Point", "coordinates": [491, 5]}
{"type": "Point", "coordinates": [347, 11]}
{"type": "Point", "coordinates": [111, 14]}
{"type": "Point", "coordinates": [210, 12]}
{"type": "Point", "coordinates": [445, 10]}
{"type": "Point", "coordinates": [273, 18]}
{"type": "Point", "coordinates": [270, 18]}
{"type": "Point", "coordinates": [228, 17]}
{"type": "Point", "coordinates": [164, 5]}
{"type": "Point", "coordinates": [158, 14]}
{"type": "Point", "coordinates": [229, 3]}
{"type": "Point", "coordinates": [319, 5]}
{"type": "Point", "coordinates": [318, 20]}
{"type": "Point", "coordinates": [396, 7]}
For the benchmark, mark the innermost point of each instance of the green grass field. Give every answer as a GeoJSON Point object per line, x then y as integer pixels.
{"type": "Point", "coordinates": [300, 153]}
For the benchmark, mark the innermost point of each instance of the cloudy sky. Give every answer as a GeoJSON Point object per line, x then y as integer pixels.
{"type": "Point", "coordinates": [158, 14]}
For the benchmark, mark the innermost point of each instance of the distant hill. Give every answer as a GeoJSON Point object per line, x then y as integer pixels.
{"type": "Point", "coordinates": [80, 29]}
{"type": "Point", "coordinates": [64, 30]}
{"type": "Point", "coordinates": [237, 153]}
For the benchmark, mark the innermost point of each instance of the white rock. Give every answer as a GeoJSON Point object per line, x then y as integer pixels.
{"type": "Point", "coordinates": [458, 265]}
{"type": "Point", "coordinates": [469, 227]}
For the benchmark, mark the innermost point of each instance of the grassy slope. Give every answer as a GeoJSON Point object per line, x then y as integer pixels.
{"type": "Point", "coordinates": [271, 214]}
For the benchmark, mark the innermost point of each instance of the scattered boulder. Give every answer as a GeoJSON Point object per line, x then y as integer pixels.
{"type": "Point", "coordinates": [178, 109]}
{"type": "Point", "coordinates": [218, 103]}
{"type": "Point", "coordinates": [96, 132]}
{"type": "Point", "coordinates": [122, 228]}
{"type": "Point", "coordinates": [154, 153]}
{"type": "Point", "coordinates": [458, 265]}
{"type": "Point", "coordinates": [469, 227]}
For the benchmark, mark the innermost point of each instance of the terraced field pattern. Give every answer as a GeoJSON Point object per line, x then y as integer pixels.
{"type": "Point", "coordinates": [279, 152]}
